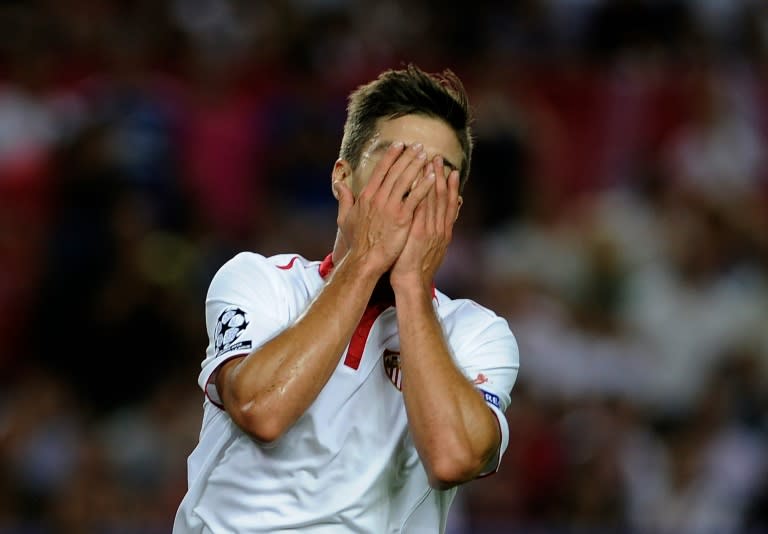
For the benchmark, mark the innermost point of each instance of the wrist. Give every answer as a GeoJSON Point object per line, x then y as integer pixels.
{"type": "Point", "coordinates": [363, 266]}
{"type": "Point", "coordinates": [411, 286]}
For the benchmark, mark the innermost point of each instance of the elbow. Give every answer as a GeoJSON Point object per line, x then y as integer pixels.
{"type": "Point", "coordinates": [446, 471]}
{"type": "Point", "coordinates": [462, 461]}
{"type": "Point", "coordinates": [254, 413]}
{"type": "Point", "coordinates": [251, 412]}
{"type": "Point", "coordinates": [259, 423]}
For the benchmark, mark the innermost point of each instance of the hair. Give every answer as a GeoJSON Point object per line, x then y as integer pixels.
{"type": "Point", "coordinates": [409, 91]}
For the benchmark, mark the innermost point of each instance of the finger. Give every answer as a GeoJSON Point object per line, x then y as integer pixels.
{"type": "Point", "coordinates": [419, 193]}
{"type": "Point", "coordinates": [453, 202]}
{"type": "Point", "coordinates": [431, 202]}
{"type": "Point", "coordinates": [346, 200]}
{"type": "Point", "coordinates": [427, 170]}
{"type": "Point", "coordinates": [391, 155]}
{"type": "Point", "coordinates": [419, 223]}
{"type": "Point", "coordinates": [441, 192]}
{"type": "Point", "coordinates": [404, 172]}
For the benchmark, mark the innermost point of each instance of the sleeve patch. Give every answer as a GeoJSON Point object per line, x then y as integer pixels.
{"type": "Point", "coordinates": [490, 398]}
{"type": "Point", "coordinates": [229, 327]}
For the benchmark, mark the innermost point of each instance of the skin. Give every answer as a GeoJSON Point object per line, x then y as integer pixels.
{"type": "Point", "coordinates": [395, 218]}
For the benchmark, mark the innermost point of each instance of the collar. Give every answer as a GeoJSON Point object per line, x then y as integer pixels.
{"type": "Point", "coordinates": [326, 266]}
{"type": "Point", "coordinates": [380, 294]}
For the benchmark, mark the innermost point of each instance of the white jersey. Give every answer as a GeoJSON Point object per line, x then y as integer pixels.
{"type": "Point", "coordinates": [348, 464]}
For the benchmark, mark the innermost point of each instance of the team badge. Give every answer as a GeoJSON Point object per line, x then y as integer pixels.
{"type": "Point", "coordinates": [229, 327]}
{"type": "Point", "coordinates": [392, 368]}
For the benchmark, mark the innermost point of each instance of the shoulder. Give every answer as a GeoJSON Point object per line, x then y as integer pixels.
{"type": "Point", "coordinates": [466, 311]}
{"type": "Point", "coordinates": [472, 325]}
{"type": "Point", "coordinates": [251, 264]}
{"type": "Point", "coordinates": [247, 267]}
{"type": "Point", "coordinates": [292, 263]}
{"type": "Point", "coordinates": [250, 271]}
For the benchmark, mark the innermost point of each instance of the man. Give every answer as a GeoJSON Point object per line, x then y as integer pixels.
{"type": "Point", "coordinates": [349, 395]}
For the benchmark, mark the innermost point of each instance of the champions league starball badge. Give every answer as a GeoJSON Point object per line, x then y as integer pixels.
{"type": "Point", "coordinates": [230, 325]}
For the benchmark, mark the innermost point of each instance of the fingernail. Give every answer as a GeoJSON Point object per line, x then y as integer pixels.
{"type": "Point", "coordinates": [422, 155]}
{"type": "Point", "coordinates": [398, 144]}
{"type": "Point", "coordinates": [438, 160]}
{"type": "Point", "coordinates": [431, 176]}
{"type": "Point", "coordinates": [417, 147]}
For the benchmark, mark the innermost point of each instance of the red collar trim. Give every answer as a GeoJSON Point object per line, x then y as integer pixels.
{"type": "Point", "coordinates": [326, 267]}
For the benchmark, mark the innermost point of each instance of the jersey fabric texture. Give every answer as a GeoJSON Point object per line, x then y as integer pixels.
{"type": "Point", "coordinates": [348, 464]}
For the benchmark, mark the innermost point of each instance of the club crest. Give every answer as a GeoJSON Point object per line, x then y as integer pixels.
{"type": "Point", "coordinates": [392, 368]}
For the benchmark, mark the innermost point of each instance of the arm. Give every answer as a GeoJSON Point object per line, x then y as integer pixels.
{"type": "Point", "coordinates": [266, 391]}
{"type": "Point", "coordinates": [455, 432]}
{"type": "Point", "coordinates": [453, 429]}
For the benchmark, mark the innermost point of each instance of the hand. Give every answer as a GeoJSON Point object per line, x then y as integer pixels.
{"type": "Point", "coordinates": [375, 226]}
{"type": "Point", "coordinates": [431, 232]}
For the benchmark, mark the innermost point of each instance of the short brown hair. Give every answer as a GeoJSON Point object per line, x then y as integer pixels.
{"type": "Point", "coordinates": [409, 91]}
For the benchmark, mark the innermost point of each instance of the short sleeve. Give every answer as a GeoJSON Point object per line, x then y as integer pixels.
{"type": "Point", "coordinates": [243, 310]}
{"type": "Point", "coordinates": [488, 354]}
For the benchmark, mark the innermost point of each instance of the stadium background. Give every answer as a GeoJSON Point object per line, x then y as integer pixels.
{"type": "Point", "coordinates": [616, 215]}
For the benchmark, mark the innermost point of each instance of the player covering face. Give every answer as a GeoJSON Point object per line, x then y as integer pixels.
{"type": "Point", "coordinates": [336, 408]}
{"type": "Point", "coordinates": [406, 169]}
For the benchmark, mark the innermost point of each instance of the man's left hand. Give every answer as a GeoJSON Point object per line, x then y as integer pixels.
{"type": "Point", "coordinates": [431, 232]}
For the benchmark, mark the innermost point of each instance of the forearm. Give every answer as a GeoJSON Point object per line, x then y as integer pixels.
{"type": "Point", "coordinates": [453, 429]}
{"type": "Point", "coordinates": [268, 390]}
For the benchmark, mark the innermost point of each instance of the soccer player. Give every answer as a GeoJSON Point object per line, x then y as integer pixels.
{"type": "Point", "coordinates": [349, 394]}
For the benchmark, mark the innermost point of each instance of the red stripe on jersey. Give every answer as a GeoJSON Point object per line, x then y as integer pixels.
{"type": "Point", "coordinates": [288, 265]}
{"type": "Point", "coordinates": [359, 338]}
{"type": "Point", "coordinates": [372, 312]}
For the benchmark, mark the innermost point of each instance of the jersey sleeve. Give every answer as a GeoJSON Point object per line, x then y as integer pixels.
{"type": "Point", "coordinates": [243, 310]}
{"type": "Point", "coordinates": [489, 357]}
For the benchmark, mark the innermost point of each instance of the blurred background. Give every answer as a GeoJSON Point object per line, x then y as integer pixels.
{"type": "Point", "coordinates": [616, 215]}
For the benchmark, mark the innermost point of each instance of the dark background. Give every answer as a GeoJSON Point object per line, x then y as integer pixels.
{"type": "Point", "coordinates": [616, 215]}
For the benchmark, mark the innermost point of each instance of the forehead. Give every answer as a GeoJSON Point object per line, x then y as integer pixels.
{"type": "Point", "coordinates": [437, 137]}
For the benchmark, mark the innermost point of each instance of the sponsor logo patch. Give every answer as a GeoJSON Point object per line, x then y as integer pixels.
{"type": "Point", "coordinates": [490, 398]}
{"type": "Point", "coordinates": [392, 368]}
{"type": "Point", "coordinates": [229, 327]}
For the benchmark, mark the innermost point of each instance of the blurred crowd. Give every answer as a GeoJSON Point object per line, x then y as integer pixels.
{"type": "Point", "coordinates": [616, 215]}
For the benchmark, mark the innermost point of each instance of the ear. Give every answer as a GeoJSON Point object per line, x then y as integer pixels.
{"type": "Point", "coordinates": [342, 172]}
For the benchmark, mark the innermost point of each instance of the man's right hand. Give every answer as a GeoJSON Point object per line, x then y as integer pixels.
{"type": "Point", "coordinates": [375, 226]}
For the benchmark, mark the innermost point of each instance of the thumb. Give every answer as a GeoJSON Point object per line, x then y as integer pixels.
{"type": "Point", "coordinates": [346, 199]}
